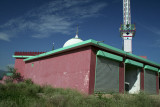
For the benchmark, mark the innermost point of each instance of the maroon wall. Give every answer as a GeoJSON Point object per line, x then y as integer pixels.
{"type": "Point", "coordinates": [157, 83]}
{"type": "Point", "coordinates": [27, 53]}
{"type": "Point", "coordinates": [142, 79]}
{"type": "Point", "coordinates": [121, 77]}
{"type": "Point", "coordinates": [19, 65]}
{"type": "Point", "coordinates": [65, 70]}
{"type": "Point", "coordinates": [92, 71]}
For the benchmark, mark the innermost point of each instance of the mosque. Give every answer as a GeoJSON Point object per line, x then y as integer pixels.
{"type": "Point", "coordinates": [91, 66]}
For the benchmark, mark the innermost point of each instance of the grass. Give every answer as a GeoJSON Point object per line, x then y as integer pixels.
{"type": "Point", "coordinates": [32, 95]}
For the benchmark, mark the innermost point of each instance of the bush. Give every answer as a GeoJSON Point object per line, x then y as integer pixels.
{"type": "Point", "coordinates": [32, 95]}
{"type": "Point", "coordinates": [8, 80]}
{"type": "Point", "coordinates": [14, 76]}
{"type": "Point", "coordinates": [28, 81]}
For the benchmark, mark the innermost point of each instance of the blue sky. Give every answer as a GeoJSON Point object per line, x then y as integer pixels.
{"type": "Point", "coordinates": [33, 25]}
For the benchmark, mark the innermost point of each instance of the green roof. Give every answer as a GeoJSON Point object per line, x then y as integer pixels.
{"type": "Point", "coordinates": [109, 55]}
{"type": "Point", "coordinates": [96, 44]}
{"type": "Point", "coordinates": [151, 68]}
{"type": "Point", "coordinates": [9, 74]}
{"type": "Point", "coordinates": [18, 56]}
{"type": "Point", "coordinates": [135, 63]}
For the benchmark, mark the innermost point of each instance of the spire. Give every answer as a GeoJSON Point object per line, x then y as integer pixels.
{"type": "Point", "coordinates": [77, 32]}
{"type": "Point", "coordinates": [126, 12]}
{"type": "Point", "coordinates": [127, 30]}
{"type": "Point", "coordinates": [53, 46]}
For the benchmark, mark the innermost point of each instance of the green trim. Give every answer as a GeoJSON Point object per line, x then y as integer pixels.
{"type": "Point", "coordinates": [21, 56]}
{"type": "Point", "coordinates": [159, 70]}
{"type": "Point", "coordinates": [9, 74]}
{"type": "Point", "coordinates": [96, 44]}
{"type": "Point", "coordinates": [151, 68]}
{"type": "Point", "coordinates": [109, 55]}
{"type": "Point", "coordinates": [142, 59]}
{"type": "Point", "coordinates": [105, 46]}
{"type": "Point", "coordinates": [135, 63]}
{"type": "Point", "coordinates": [58, 50]}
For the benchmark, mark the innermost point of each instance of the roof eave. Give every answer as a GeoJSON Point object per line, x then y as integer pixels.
{"type": "Point", "coordinates": [96, 44]}
{"type": "Point", "coordinates": [74, 46]}
{"type": "Point", "coordinates": [21, 56]}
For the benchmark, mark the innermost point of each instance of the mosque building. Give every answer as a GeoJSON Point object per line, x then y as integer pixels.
{"type": "Point", "coordinates": [91, 66]}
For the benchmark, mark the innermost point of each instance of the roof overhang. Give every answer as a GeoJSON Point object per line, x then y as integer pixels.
{"type": "Point", "coordinates": [21, 56]}
{"type": "Point", "coordinates": [98, 44]}
{"type": "Point", "coordinates": [110, 56]}
{"type": "Point", "coordinates": [151, 68]}
{"type": "Point", "coordinates": [132, 62]}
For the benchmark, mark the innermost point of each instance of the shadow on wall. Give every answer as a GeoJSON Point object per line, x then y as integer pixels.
{"type": "Point", "coordinates": [159, 82]}
{"type": "Point", "coordinates": [132, 80]}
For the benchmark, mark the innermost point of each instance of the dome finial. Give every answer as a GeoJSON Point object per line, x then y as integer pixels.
{"type": "Point", "coordinates": [77, 32]}
{"type": "Point", "coordinates": [73, 40]}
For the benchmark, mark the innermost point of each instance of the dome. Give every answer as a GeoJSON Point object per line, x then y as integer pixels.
{"type": "Point", "coordinates": [73, 41]}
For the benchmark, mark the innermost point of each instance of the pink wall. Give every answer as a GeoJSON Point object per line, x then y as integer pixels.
{"type": "Point", "coordinates": [65, 70]}
{"type": "Point", "coordinates": [19, 65]}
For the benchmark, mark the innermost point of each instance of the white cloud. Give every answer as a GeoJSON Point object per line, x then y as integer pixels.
{"type": "Point", "coordinates": [155, 30]}
{"type": "Point", "coordinates": [152, 29]}
{"type": "Point", "coordinates": [156, 44]}
{"type": "Point", "coordinates": [4, 36]}
{"type": "Point", "coordinates": [57, 16]}
{"type": "Point", "coordinates": [5, 68]}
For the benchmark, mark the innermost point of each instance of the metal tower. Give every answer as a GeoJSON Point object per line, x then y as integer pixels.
{"type": "Point", "coordinates": [127, 30]}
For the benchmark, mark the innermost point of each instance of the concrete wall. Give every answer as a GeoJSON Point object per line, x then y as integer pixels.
{"type": "Point", "coordinates": [65, 70]}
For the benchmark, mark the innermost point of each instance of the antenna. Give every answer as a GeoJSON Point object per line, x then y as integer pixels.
{"type": "Point", "coordinates": [53, 46]}
{"type": "Point", "coordinates": [100, 41]}
{"type": "Point", "coordinates": [77, 30]}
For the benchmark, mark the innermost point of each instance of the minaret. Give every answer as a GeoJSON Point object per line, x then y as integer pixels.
{"type": "Point", "coordinates": [127, 30]}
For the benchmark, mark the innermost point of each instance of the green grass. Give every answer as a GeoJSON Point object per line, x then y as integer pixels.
{"type": "Point", "coordinates": [32, 95]}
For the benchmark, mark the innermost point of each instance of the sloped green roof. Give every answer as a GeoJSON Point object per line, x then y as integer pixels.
{"type": "Point", "coordinates": [151, 68]}
{"type": "Point", "coordinates": [135, 63]}
{"type": "Point", "coordinates": [109, 55]}
{"type": "Point", "coordinates": [96, 44]}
